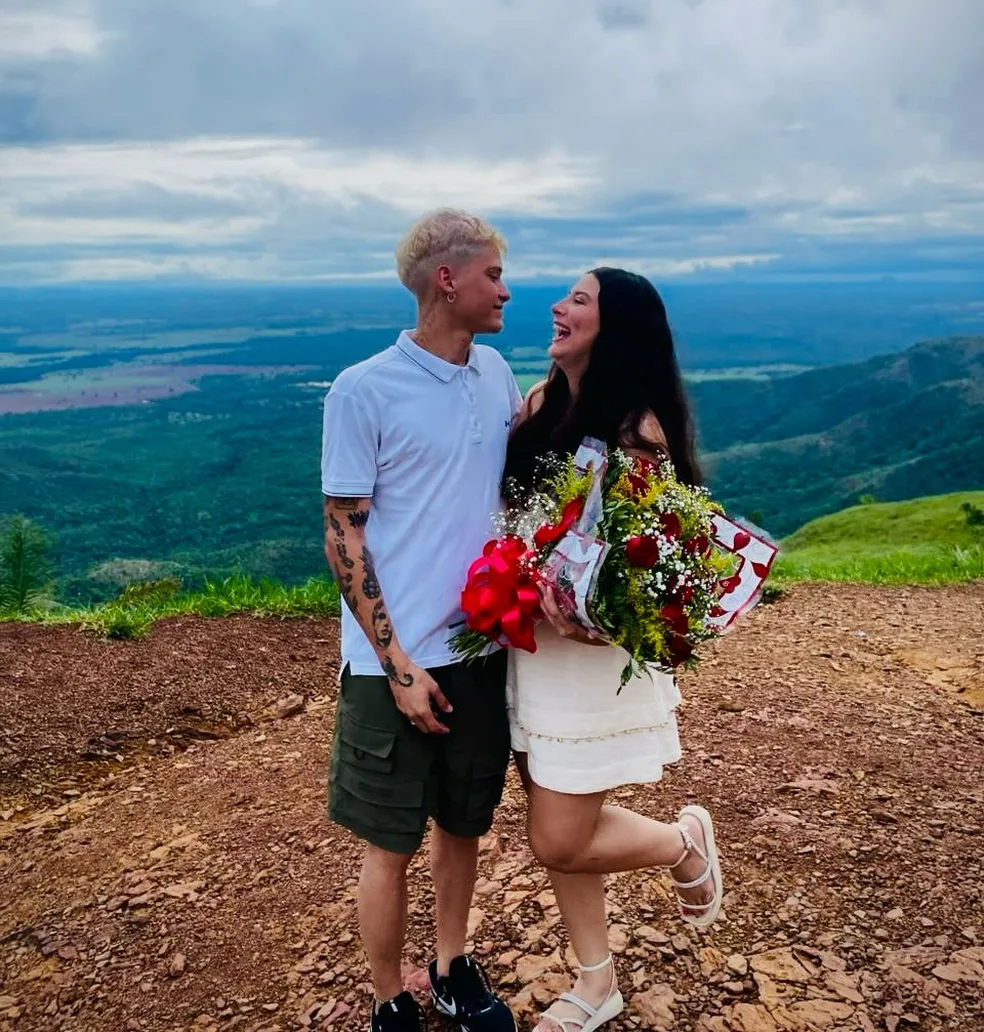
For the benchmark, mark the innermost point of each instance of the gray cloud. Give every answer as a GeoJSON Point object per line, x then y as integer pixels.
{"type": "Point", "coordinates": [624, 14]}
{"type": "Point", "coordinates": [140, 202]}
{"type": "Point", "coordinates": [701, 127]}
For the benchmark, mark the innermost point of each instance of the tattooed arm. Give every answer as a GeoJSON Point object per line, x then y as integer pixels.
{"type": "Point", "coordinates": [352, 566]}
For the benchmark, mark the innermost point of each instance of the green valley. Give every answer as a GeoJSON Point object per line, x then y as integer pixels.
{"type": "Point", "coordinates": [221, 478]}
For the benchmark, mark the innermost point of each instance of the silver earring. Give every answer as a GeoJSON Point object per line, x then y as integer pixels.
{"type": "Point", "coordinates": [452, 297]}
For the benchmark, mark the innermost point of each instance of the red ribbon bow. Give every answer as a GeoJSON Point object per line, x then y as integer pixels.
{"type": "Point", "coordinates": [551, 532]}
{"type": "Point", "coordinates": [500, 598]}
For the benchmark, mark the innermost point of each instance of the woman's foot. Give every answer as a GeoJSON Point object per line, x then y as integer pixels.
{"type": "Point", "coordinates": [691, 867]}
{"type": "Point", "coordinates": [596, 987]}
{"type": "Point", "coordinates": [697, 874]}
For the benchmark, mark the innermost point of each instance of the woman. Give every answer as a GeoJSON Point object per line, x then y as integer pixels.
{"type": "Point", "coordinates": [614, 377]}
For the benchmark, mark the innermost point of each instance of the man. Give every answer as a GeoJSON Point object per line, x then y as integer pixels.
{"type": "Point", "coordinates": [413, 450]}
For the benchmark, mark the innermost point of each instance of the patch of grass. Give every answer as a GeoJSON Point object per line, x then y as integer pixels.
{"type": "Point", "coordinates": [889, 526]}
{"type": "Point", "coordinates": [133, 614]}
{"type": "Point", "coordinates": [922, 541]}
{"type": "Point", "coordinates": [771, 593]}
{"type": "Point", "coordinates": [932, 566]}
{"type": "Point", "coordinates": [118, 622]}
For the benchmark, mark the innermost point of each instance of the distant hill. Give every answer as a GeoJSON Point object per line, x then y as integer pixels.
{"type": "Point", "coordinates": [919, 524]}
{"type": "Point", "coordinates": [894, 427]}
{"type": "Point", "coordinates": [924, 540]}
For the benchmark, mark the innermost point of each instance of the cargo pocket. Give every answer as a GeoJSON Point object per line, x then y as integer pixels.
{"type": "Point", "coordinates": [369, 748]}
{"type": "Point", "coordinates": [484, 791]}
{"type": "Point", "coordinates": [368, 792]}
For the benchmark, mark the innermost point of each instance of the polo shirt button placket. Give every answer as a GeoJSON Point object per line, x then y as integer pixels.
{"type": "Point", "coordinates": [473, 421]}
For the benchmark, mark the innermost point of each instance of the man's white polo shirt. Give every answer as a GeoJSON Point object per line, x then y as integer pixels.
{"type": "Point", "coordinates": [426, 440]}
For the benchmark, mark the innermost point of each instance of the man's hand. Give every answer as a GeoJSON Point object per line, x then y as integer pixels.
{"type": "Point", "coordinates": [414, 690]}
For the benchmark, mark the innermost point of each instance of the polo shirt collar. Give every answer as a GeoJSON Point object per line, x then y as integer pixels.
{"type": "Point", "coordinates": [437, 367]}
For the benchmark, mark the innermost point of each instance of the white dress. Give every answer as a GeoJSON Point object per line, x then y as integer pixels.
{"type": "Point", "coordinates": [578, 734]}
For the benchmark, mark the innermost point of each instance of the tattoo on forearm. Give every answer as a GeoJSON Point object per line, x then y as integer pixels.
{"type": "Point", "coordinates": [347, 590]}
{"type": "Point", "coordinates": [344, 564]}
{"type": "Point", "coordinates": [381, 627]}
{"type": "Point", "coordinates": [340, 547]}
{"type": "Point", "coordinates": [343, 557]}
{"type": "Point", "coordinates": [370, 583]}
{"type": "Point", "coordinates": [389, 669]}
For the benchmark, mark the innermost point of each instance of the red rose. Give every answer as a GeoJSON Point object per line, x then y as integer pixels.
{"type": "Point", "coordinates": [674, 615]}
{"type": "Point", "coordinates": [680, 650]}
{"type": "Point", "coordinates": [638, 484]}
{"type": "Point", "coordinates": [642, 551]}
{"type": "Point", "coordinates": [643, 470]}
{"type": "Point", "coordinates": [551, 532]}
{"type": "Point", "coordinates": [698, 545]}
{"type": "Point", "coordinates": [670, 523]}
{"type": "Point", "coordinates": [685, 595]}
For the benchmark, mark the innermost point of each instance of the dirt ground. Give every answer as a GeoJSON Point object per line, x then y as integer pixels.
{"type": "Point", "coordinates": [167, 863]}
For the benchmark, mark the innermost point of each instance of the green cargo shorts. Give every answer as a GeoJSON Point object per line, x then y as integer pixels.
{"type": "Point", "coordinates": [388, 778]}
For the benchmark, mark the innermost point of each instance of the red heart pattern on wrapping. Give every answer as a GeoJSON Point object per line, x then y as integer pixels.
{"type": "Point", "coordinates": [729, 584]}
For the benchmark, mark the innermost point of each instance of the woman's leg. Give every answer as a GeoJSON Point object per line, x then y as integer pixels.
{"type": "Point", "coordinates": [581, 899]}
{"type": "Point", "coordinates": [620, 840]}
{"type": "Point", "coordinates": [579, 839]}
{"type": "Point", "coordinates": [610, 839]}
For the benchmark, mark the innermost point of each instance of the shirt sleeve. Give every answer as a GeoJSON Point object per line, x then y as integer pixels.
{"type": "Point", "coordinates": [349, 447]}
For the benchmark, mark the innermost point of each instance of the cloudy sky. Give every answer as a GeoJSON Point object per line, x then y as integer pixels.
{"type": "Point", "coordinates": [294, 139]}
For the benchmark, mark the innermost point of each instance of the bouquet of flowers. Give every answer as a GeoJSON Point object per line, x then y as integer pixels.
{"type": "Point", "coordinates": [632, 554]}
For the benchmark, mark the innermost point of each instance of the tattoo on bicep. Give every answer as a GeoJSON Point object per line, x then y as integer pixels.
{"type": "Point", "coordinates": [358, 519]}
{"type": "Point", "coordinates": [389, 669]}
{"type": "Point", "coordinates": [382, 629]}
{"type": "Point", "coordinates": [370, 583]}
{"type": "Point", "coordinates": [346, 504]}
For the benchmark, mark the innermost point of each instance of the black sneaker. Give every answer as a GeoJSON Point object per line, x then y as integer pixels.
{"type": "Point", "coordinates": [401, 1014]}
{"type": "Point", "coordinates": [466, 996]}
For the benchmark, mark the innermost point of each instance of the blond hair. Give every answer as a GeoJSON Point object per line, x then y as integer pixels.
{"type": "Point", "coordinates": [444, 237]}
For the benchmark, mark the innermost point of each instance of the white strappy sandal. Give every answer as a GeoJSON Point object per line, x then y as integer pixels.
{"type": "Point", "coordinates": [707, 912]}
{"type": "Point", "coordinates": [594, 1017]}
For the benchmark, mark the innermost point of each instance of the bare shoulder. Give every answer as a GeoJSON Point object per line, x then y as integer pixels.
{"type": "Point", "coordinates": [651, 430]}
{"type": "Point", "coordinates": [534, 396]}
{"type": "Point", "coordinates": [533, 400]}
{"type": "Point", "coordinates": [649, 440]}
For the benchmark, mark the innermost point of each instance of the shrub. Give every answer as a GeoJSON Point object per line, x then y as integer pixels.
{"type": "Point", "coordinates": [25, 568]}
{"type": "Point", "coordinates": [973, 515]}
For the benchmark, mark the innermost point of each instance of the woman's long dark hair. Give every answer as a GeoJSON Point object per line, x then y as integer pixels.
{"type": "Point", "coordinates": [632, 371]}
